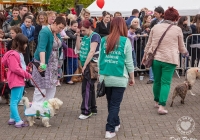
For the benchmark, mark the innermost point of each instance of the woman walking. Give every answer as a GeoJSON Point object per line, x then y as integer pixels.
{"type": "Point", "coordinates": [166, 57]}
{"type": "Point", "coordinates": [115, 67]}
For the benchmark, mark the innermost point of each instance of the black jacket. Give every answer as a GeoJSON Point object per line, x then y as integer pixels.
{"type": "Point", "coordinates": [9, 45]}
{"type": "Point", "coordinates": [101, 29]}
{"type": "Point", "coordinates": [154, 22]}
{"type": "Point", "coordinates": [36, 33]}
{"type": "Point", "coordinates": [72, 40]}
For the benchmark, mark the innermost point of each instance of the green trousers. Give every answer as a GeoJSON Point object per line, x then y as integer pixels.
{"type": "Point", "coordinates": [163, 73]}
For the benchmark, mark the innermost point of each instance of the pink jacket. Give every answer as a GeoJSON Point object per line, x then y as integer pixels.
{"type": "Point", "coordinates": [15, 74]}
{"type": "Point", "coordinates": [171, 45]}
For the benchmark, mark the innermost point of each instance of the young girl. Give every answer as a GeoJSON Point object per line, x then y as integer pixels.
{"type": "Point", "coordinates": [14, 61]}
{"type": "Point", "coordinates": [71, 56]}
{"type": "Point", "coordinates": [13, 32]}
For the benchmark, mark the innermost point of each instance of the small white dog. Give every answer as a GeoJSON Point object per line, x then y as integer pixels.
{"type": "Point", "coordinates": [45, 111]}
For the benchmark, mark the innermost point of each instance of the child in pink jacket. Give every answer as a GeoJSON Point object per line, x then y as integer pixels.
{"type": "Point", "coordinates": [13, 60]}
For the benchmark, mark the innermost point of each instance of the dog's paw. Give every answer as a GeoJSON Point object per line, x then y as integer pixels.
{"type": "Point", "coordinates": [30, 124]}
{"type": "Point", "coordinates": [48, 125]}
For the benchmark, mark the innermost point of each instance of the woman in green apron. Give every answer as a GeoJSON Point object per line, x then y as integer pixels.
{"type": "Point", "coordinates": [115, 68]}
{"type": "Point", "coordinates": [88, 48]}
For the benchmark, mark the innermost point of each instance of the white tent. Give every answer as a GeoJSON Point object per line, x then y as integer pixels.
{"type": "Point", "coordinates": [185, 7]}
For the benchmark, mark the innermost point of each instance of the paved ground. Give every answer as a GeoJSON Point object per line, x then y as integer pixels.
{"type": "Point", "coordinates": [139, 119]}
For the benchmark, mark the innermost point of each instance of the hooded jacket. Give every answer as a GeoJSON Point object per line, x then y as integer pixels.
{"type": "Point", "coordinates": [15, 74]}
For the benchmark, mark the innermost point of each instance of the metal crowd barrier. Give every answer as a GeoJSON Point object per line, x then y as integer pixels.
{"type": "Point", "coordinates": [193, 47]}
{"type": "Point", "coordinates": [68, 67]}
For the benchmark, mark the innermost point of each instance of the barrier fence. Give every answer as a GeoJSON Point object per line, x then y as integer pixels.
{"type": "Point", "coordinates": [69, 64]}
{"type": "Point", "coordinates": [193, 47]}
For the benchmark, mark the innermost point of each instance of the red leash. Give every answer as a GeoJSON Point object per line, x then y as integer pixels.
{"type": "Point", "coordinates": [4, 86]}
{"type": "Point", "coordinates": [29, 67]}
{"type": "Point", "coordinates": [38, 87]}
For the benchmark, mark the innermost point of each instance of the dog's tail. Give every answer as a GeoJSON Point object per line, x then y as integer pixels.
{"type": "Point", "coordinates": [26, 102]}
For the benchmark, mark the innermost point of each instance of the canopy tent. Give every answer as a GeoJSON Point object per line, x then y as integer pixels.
{"type": "Point", "coordinates": [185, 7]}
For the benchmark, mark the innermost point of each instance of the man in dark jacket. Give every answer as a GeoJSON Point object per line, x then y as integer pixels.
{"type": "Point", "coordinates": [135, 14]}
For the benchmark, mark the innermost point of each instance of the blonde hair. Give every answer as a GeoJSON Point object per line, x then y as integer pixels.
{"type": "Point", "coordinates": [49, 13]}
{"type": "Point", "coordinates": [138, 20]}
{"type": "Point", "coordinates": [83, 11]}
{"type": "Point", "coordinates": [45, 18]}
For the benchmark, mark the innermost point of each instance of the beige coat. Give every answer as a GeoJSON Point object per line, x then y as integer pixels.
{"type": "Point", "coordinates": [171, 45]}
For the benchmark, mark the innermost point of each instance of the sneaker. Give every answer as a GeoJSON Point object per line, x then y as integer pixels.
{"type": "Point", "coordinates": [94, 113]}
{"type": "Point", "coordinates": [21, 103]}
{"type": "Point", "coordinates": [136, 69]}
{"type": "Point", "coordinates": [23, 124]}
{"type": "Point", "coordinates": [83, 117]}
{"type": "Point", "coordinates": [117, 128]}
{"type": "Point", "coordinates": [110, 135]}
{"type": "Point", "coordinates": [11, 122]}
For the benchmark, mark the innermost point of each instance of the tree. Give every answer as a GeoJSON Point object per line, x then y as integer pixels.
{"type": "Point", "coordinates": [62, 6]}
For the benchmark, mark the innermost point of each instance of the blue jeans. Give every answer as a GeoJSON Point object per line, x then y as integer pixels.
{"type": "Point", "coordinates": [16, 96]}
{"type": "Point", "coordinates": [134, 58]}
{"type": "Point", "coordinates": [71, 67]}
{"type": "Point", "coordinates": [114, 97]}
{"type": "Point", "coordinates": [151, 74]}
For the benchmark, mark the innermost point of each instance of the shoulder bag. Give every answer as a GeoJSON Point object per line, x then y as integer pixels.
{"type": "Point", "coordinates": [150, 56]}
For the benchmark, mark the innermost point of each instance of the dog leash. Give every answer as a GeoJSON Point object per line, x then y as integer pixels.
{"type": "Point", "coordinates": [37, 87]}
{"type": "Point", "coordinates": [29, 66]}
{"type": "Point", "coordinates": [4, 86]}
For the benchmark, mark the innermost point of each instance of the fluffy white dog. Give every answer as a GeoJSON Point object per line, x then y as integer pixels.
{"type": "Point", "coordinates": [45, 111]}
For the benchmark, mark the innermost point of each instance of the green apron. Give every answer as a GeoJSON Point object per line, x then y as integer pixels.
{"type": "Point", "coordinates": [113, 63]}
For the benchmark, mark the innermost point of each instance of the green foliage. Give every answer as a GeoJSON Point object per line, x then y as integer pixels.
{"type": "Point", "coordinates": [62, 6]}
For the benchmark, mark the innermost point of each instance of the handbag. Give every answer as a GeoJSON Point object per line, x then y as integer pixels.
{"type": "Point", "coordinates": [101, 89]}
{"type": "Point", "coordinates": [37, 64]}
{"type": "Point", "coordinates": [150, 56]}
{"type": "Point", "coordinates": [93, 70]}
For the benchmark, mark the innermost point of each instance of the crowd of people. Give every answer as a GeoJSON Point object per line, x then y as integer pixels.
{"type": "Point", "coordinates": [47, 39]}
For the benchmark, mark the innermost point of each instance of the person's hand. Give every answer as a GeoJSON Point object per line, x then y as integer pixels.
{"type": "Point", "coordinates": [40, 69]}
{"type": "Point", "coordinates": [131, 81]}
{"type": "Point", "coordinates": [143, 59]}
{"type": "Point", "coordinates": [78, 32]}
{"type": "Point", "coordinates": [83, 69]}
{"type": "Point", "coordinates": [6, 69]}
{"type": "Point", "coordinates": [66, 37]}
{"type": "Point", "coordinates": [1, 39]}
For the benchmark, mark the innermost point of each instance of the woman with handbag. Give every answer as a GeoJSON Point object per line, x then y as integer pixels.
{"type": "Point", "coordinates": [115, 68]}
{"type": "Point", "coordinates": [88, 54]}
{"type": "Point", "coordinates": [164, 44]}
{"type": "Point", "coordinates": [45, 68]}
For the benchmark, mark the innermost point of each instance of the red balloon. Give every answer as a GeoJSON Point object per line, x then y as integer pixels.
{"type": "Point", "coordinates": [100, 3]}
